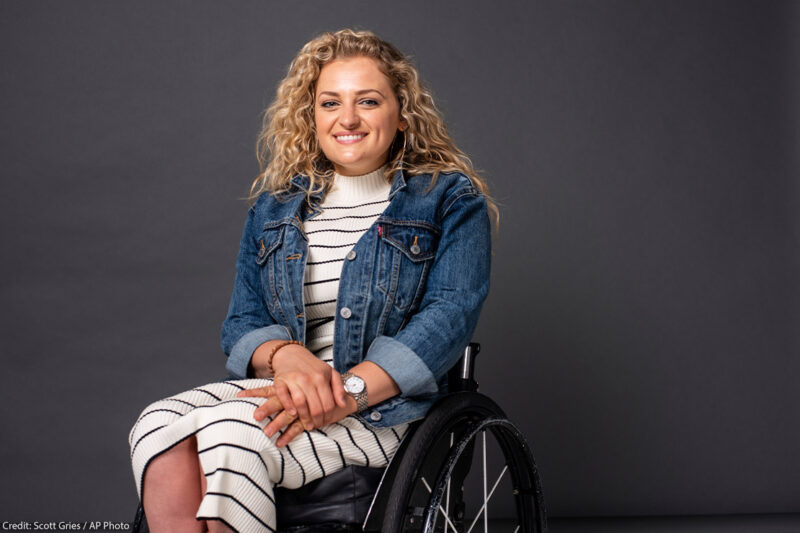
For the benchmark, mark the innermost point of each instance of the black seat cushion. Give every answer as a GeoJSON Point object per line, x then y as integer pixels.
{"type": "Point", "coordinates": [340, 498]}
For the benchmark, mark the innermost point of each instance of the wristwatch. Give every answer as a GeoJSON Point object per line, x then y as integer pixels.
{"type": "Point", "coordinates": [355, 387]}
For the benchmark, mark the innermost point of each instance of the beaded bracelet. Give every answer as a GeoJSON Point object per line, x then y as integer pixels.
{"type": "Point", "coordinates": [274, 350]}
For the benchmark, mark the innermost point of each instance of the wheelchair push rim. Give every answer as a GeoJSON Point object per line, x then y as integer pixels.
{"type": "Point", "coordinates": [442, 450]}
{"type": "Point", "coordinates": [518, 466]}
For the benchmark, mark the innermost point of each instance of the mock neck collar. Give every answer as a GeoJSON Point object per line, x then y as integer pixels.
{"type": "Point", "coordinates": [398, 182]}
{"type": "Point", "coordinates": [365, 186]}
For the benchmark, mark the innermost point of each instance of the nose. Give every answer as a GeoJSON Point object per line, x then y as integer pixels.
{"type": "Point", "coordinates": [349, 118]}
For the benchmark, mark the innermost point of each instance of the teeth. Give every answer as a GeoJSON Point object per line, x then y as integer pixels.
{"type": "Point", "coordinates": [349, 137]}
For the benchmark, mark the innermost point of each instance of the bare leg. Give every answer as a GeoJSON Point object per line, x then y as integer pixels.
{"type": "Point", "coordinates": [215, 526]}
{"type": "Point", "coordinates": [172, 491]}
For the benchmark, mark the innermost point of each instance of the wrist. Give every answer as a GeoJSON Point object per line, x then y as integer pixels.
{"type": "Point", "coordinates": [259, 365]}
{"type": "Point", "coordinates": [277, 348]}
{"type": "Point", "coordinates": [356, 388]}
{"type": "Point", "coordinates": [351, 405]}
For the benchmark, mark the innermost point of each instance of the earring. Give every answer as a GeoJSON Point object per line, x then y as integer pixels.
{"type": "Point", "coordinates": [403, 151]}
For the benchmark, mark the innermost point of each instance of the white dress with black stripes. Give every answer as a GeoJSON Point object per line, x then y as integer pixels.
{"type": "Point", "coordinates": [241, 465]}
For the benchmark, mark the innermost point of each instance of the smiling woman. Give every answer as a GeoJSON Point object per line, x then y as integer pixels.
{"type": "Point", "coordinates": [362, 269]}
{"type": "Point", "coordinates": [357, 115]}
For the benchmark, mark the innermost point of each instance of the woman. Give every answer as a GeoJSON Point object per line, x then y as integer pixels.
{"type": "Point", "coordinates": [361, 272]}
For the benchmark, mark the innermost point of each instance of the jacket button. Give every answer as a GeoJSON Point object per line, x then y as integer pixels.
{"type": "Point", "coordinates": [345, 312]}
{"type": "Point", "coordinates": [351, 255]}
{"type": "Point", "coordinates": [415, 249]}
{"type": "Point", "coordinates": [375, 416]}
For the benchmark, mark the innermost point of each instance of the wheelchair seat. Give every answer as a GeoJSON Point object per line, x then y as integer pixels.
{"type": "Point", "coordinates": [337, 502]}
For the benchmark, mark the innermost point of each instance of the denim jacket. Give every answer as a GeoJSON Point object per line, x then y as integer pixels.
{"type": "Point", "coordinates": [409, 294]}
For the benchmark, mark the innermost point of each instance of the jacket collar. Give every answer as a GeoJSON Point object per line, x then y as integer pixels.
{"type": "Point", "coordinates": [398, 182]}
{"type": "Point", "coordinates": [304, 183]}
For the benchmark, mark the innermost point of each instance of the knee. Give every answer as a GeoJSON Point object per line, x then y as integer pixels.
{"type": "Point", "coordinates": [156, 414]}
{"type": "Point", "coordinates": [187, 446]}
{"type": "Point", "coordinates": [180, 456]}
{"type": "Point", "coordinates": [215, 526]}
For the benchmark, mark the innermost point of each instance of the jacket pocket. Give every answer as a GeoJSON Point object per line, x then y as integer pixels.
{"type": "Point", "coordinates": [272, 276]}
{"type": "Point", "coordinates": [406, 252]}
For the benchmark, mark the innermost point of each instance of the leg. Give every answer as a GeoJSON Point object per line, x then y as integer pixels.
{"type": "Point", "coordinates": [173, 492]}
{"type": "Point", "coordinates": [239, 464]}
{"type": "Point", "coordinates": [203, 423]}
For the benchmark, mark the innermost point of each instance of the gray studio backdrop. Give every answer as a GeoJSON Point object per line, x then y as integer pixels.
{"type": "Point", "coordinates": [643, 323]}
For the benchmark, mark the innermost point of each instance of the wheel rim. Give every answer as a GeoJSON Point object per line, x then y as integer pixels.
{"type": "Point", "coordinates": [439, 449]}
{"type": "Point", "coordinates": [518, 468]}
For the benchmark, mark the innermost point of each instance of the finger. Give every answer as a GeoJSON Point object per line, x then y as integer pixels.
{"type": "Point", "coordinates": [337, 386]}
{"type": "Point", "coordinates": [328, 404]}
{"type": "Point", "coordinates": [280, 421]}
{"type": "Point", "coordinates": [301, 404]}
{"type": "Point", "coordinates": [294, 429]}
{"type": "Point", "coordinates": [282, 390]}
{"type": "Point", "coordinates": [263, 392]}
{"type": "Point", "coordinates": [317, 409]}
{"type": "Point", "coordinates": [319, 400]}
{"type": "Point", "coordinates": [270, 407]}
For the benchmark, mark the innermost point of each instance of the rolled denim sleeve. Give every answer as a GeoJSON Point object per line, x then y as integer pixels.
{"type": "Point", "coordinates": [247, 324]}
{"type": "Point", "coordinates": [421, 353]}
{"type": "Point", "coordinates": [242, 351]}
{"type": "Point", "coordinates": [407, 369]}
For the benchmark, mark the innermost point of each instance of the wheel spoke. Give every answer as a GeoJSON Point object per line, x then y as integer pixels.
{"type": "Point", "coordinates": [446, 517]}
{"type": "Point", "coordinates": [447, 499]}
{"type": "Point", "coordinates": [485, 499]}
{"type": "Point", "coordinates": [462, 421]}
{"type": "Point", "coordinates": [475, 520]}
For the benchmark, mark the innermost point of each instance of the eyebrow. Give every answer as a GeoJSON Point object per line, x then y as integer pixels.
{"type": "Point", "coordinates": [362, 91]}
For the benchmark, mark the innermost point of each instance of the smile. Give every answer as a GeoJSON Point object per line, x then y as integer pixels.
{"type": "Point", "coordinates": [350, 138]}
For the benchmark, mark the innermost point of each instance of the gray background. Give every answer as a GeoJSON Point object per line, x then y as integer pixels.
{"type": "Point", "coordinates": [643, 323]}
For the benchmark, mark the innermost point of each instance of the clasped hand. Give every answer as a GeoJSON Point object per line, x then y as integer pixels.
{"type": "Point", "coordinates": [306, 394]}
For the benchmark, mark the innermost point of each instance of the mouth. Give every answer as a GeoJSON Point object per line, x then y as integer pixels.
{"type": "Point", "coordinates": [349, 138]}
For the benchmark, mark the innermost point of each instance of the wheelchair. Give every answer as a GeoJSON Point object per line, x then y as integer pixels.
{"type": "Point", "coordinates": [427, 487]}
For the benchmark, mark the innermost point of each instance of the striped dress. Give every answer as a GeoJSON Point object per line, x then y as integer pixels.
{"type": "Point", "coordinates": [241, 465]}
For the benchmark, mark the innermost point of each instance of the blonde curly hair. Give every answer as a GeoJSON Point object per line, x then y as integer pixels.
{"type": "Point", "coordinates": [287, 144]}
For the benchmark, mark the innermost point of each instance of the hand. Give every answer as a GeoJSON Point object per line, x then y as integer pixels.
{"type": "Point", "coordinates": [306, 386]}
{"type": "Point", "coordinates": [284, 419]}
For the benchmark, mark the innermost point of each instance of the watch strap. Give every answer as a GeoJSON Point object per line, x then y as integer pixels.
{"type": "Point", "coordinates": [362, 403]}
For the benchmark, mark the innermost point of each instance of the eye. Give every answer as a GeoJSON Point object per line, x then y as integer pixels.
{"type": "Point", "coordinates": [328, 103]}
{"type": "Point", "coordinates": [370, 102]}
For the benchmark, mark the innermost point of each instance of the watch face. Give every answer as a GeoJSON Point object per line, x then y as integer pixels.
{"type": "Point", "coordinates": [354, 385]}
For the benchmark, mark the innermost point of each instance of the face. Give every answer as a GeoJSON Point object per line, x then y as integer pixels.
{"type": "Point", "coordinates": [356, 114]}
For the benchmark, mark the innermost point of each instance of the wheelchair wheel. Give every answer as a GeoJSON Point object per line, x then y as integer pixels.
{"type": "Point", "coordinates": [439, 489]}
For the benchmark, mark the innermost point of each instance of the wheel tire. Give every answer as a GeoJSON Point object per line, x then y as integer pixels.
{"type": "Point", "coordinates": [432, 453]}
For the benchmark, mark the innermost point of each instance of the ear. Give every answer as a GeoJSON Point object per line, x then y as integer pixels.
{"type": "Point", "coordinates": [403, 126]}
